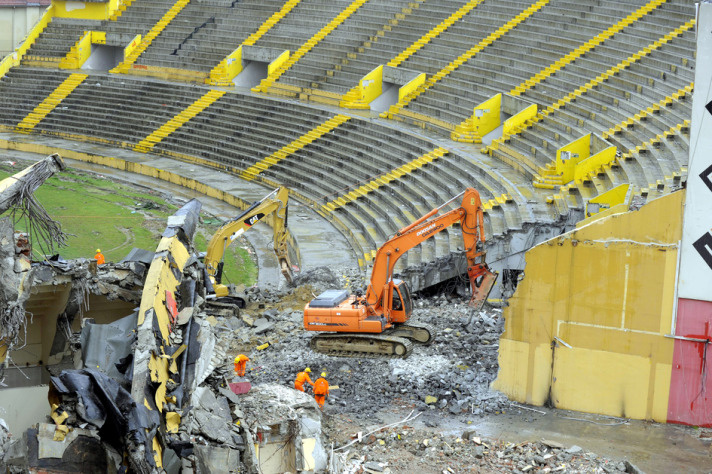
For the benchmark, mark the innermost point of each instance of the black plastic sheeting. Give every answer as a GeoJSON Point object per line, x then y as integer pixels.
{"type": "Point", "coordinates": [110, 408]}
{"type": "Point", "coordinates": [191, 213]}
{"type": "Point", "coordinates": [139, 255]}
{"type": "Point", "coordinates": [107, 346]}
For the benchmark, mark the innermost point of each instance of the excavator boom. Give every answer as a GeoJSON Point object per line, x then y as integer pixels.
{"type": "Point", "coordinates": [285, 248]}
{"type": "Point", "coordinates": [470, 217]}
{"type": "Point", "coordinates": [375, 324]}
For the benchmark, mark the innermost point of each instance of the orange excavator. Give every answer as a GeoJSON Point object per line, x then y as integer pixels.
{"type": "Point", "coordinates": [377, 324]}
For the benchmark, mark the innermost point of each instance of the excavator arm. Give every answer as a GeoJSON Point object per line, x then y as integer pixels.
{"type": "Point", "coordinates": [470, 217]}
{"type": "Point", "coordinates": [274, 204]}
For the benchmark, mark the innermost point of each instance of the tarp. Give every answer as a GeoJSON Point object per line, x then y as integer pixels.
{"type": "Point", "coordinates": [139, 255]}
{"type": "Point", "coordinates": [106, 346]}
{"type": "Point", "coordinates": [109, 407]}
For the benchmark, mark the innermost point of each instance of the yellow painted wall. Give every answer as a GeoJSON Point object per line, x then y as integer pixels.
{"type": "Point", "coordinates": [491, 115]}
{"type": "Point", "coordinates": [606, 290]}
{"type": "Point", "coordinates": [410, 86]}
{"type": "Point", "coordinates": [608, 200]}
{"type": "Point", "coordinates": [565, 167]}
{"type": "Point", "coordinates": [98, 37]}
{"type": "Point", "coordinates": [85, 10]}
{"type": "Point", "coordinates": [371, 85]}
{"type": "Point", "coordinates": [233, 63]}
{"type": "Point", "coordinates": [517, 119]}
{"type": "Point", "coordinates": [135, 43]}
{"type": "Point", "coordinates": [79, 53]}
{"type": "Point", "coordinates": [281, 59]}
{"type": "Point", "coordinates": [594, 162]}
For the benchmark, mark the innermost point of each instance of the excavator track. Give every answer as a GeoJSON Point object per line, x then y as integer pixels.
{"type": "Point", "coordinates": [416, 332]}
{"type": "Point", "coordinates": [361, 345]}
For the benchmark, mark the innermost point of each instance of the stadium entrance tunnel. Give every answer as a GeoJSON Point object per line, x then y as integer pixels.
{"type": "Point", "coordinates": [104, 57]}
{"type": "Point", "coordinates": [257, 63]}
{"type": "Point", "coordinates": [395, 84]}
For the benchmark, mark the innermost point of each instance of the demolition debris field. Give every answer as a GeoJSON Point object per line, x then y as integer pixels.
{"type": "Point", "coordinates": [101, 212]}
{"type": "Point", "coordinates": [457, 423]}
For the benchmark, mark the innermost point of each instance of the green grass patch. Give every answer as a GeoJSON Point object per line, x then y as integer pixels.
{"type": "Point", "coordinates": [240, 266]}
{"type": "Point", "coordinates": [115, 217]}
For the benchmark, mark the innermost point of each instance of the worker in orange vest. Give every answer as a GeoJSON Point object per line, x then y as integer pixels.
{"type": "Point", "coordinates": [99, 257]}
{"type": "Point", "coordinates": [240, 364]}
{"type": "Point", "coordinates": [321, 390]}
{"type": "Point", "coordinates": [301, 378]}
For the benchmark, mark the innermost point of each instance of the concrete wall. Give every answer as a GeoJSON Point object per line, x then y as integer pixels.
{"type": "Point", "coordinates": [585, 329]}
{"type": "Point", "coordinates": [15, 23]}
{"type": "Point", "coordinates": [23, 407]}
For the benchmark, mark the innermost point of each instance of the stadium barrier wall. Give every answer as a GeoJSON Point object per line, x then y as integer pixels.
{"type": "Point", "coordinates": [587, 327]}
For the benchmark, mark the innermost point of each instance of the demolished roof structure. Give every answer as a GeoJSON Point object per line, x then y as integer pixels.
{"type": "Point", "coordinates": [145, 388]}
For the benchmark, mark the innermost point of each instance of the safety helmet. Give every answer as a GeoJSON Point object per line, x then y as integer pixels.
{"type": "Point", "coordinates": [307, 370]}
{"type": "Point", "coordinates": [237, 359]}
{"type": "Point", "coordinates": [323, 374]}
{"type": "Point", "coordinates": [98, 250]}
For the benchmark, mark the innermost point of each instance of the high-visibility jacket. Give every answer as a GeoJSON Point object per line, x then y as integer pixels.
{"type": "Point", "coordinates": [301, 378]}
{"type": "Point", "coordinates": [99, 258]}
{"type": "Point", "coordinates": [321, 386]}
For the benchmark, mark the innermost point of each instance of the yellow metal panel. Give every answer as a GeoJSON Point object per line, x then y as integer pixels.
{"type": "Point", "coordinates": [580, 149]}
{"type": "Point", "coordinates": [518, 119]}
{"type": "Point", "coordinates": [593, 163]}
{"type": "Point", "coordinates": [132, 46]}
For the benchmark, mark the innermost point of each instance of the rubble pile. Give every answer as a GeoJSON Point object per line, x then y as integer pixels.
{"type": "Point", "coordinates": [405, 449]}
{"type": "Point", "coordinates": [452, 374]}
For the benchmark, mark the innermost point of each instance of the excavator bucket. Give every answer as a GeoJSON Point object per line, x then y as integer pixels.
{"type": "Point", "coordinates": [481, 291]}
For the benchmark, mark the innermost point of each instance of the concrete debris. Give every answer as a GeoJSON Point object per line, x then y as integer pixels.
{"type": "Point", "coordinates": [5, 438]}
{"type": "Point", "coordinates": [320, 279]}
{"type": "Point", "coordinates": [410, 449]}
{"type": "Point", "coordinates": [202, 426]}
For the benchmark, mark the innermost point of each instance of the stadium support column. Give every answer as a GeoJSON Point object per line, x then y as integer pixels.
{"type": "Point", "coordinates": [690, 399]}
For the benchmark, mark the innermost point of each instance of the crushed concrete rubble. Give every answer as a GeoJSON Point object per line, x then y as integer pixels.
{"type": "Point", "coordinates": [454, 372]}
{"type": "Point", "coordinates": [191, 421]}
{"type": "Point", "coordinates": [188, 421]}
{"type": "Point", "coordinates": [405, 448]}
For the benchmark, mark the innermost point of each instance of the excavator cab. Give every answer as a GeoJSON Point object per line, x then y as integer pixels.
{"type": "Point", "coordinates": [401, 302]}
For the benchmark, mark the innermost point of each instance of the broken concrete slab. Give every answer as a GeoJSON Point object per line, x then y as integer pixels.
{"type": "Point", "coordinates": [263, 325]}
{"type": "Point", "coordinates": [217, 459]}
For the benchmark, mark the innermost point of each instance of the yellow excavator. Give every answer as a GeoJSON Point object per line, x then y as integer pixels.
{"type": "Point", "coordinates": [285, 247]}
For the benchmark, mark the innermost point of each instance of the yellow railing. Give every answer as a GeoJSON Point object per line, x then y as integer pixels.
{"type": "Point", "coordinates": [50, 102]}
{"type": "Point", "coordinates": [312, 135]}
{"type": "Point", "coordinates": [586, 47]}
{"type": "Point", "coordinates": [384, 179]}
{"type": "Point", "coordinates": [178, 120]}
{"type": "Point", "coordinates": [310, 43]}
